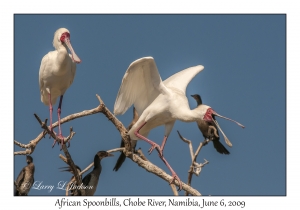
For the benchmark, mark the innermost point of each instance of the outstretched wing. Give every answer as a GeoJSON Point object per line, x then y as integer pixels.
{"type": "Point", "coordinates": [141, 84]}
{"type": "Point", "coordinates": [181, 79]}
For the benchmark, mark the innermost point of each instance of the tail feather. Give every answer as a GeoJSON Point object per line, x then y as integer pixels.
{"type": "Point", "coordinates": [122, 156]}
{"type": "Point", "coordinates": [120, 161]}
{"type": "Point", "coordinates": [220, 147]}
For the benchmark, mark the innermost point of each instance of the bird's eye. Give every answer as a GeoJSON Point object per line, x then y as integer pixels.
{"type": "Point", "coordinates": [63, 36]}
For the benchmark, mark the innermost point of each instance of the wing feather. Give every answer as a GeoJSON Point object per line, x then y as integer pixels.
{"type": "Point", "coordinates": [43, 65]}
{"type": "Point", "coordinates": [141, 84]}
{"type": "Point", "coordinates": [181, 79]}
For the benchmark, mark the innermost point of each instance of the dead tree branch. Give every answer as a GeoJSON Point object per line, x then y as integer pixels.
{"type": "Point", "coordinates": [141, 154]}
{"type": "Point", "coordinates": [141, 161]}
{"type": "Point", "coordinates": [195, 167]}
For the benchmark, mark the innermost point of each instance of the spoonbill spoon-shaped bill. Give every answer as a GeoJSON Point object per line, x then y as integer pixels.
{"type": "Point", "coordinates": [57, 72]}
{"type": "Point", "coordinates": [210, 117]}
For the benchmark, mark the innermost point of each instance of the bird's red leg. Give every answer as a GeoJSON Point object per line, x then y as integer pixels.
{"type": "Point", "coordinates": [174, 175]}
{"type": "Point", "coordinates": [59, 128]}
{"type": "Point", "coordinates": [160, 154]}
{"type": "Point", "coordinates": [163, 144]}
{"type": "Point", "coordinates": [51, 110]}
{"type": "Point", "coordinates": [154, 145]}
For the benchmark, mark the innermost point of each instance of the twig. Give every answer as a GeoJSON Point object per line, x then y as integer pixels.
{"type": "Point", "coordinates": [173, 187]}
{"type": "Point", "coordinates": [194, 165]}
{"type": "Point", "coordinates": [141, 154]}
{"type": "Point", "coordinates": [198, 167]}
{"type": "Point", "coordinates": [74, 169]}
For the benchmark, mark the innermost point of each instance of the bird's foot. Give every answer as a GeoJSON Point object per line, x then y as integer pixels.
{"type": "Point", "coordinates": [155, 146]}
{"type": "Point", "coordinates": [62, 138]}
{"type": "Point", "coordinates": [205, 142]}
{"type": "Point", "coordinates": [54, 143]}
{"type": "Point", "coordinates": [174, 176]}
{"type": "Point", "coordinates": [52, 131]}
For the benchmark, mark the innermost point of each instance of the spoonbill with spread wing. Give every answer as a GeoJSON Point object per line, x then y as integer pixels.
{"type": "Point", "coordinates": [158, 103]}
{"type": "Point", "coordinates": [57, 72]}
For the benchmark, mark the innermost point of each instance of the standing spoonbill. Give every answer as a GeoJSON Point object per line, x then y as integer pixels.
{"type": "Point", "coordinates": [57, 72]}
{"type": "Point", "coordinates": [208, 133]}
{"type": "Point", "coordinates": [158, 103]}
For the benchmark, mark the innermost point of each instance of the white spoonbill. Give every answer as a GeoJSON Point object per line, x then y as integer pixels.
{"type": "Point", "coordinates": [57, 72]}
{"type": "Point", "coordinates": [158, 103]}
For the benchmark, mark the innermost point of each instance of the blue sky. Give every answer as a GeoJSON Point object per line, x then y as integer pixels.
{"type": "Point", "coordinates": [244, 79]}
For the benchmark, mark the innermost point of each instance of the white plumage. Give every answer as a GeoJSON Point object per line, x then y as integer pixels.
{"type": "Point", "coordinates": [57, 71]}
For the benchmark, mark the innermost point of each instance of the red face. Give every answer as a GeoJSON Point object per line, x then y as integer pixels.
{"type": "Point", "coordinates": [208, 115]}
{"type": "Point", "coordinates": [63, 36]}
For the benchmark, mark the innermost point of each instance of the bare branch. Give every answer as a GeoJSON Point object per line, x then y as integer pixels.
{"type": "Point", "coordinates": [141, 154]}
{"type": "Point", "coordinates": [147, 165]}
{"type": "Point", "coordinates": [21, 145]}
{"type": "Point", "coordinates": [189, 143]}
{"type": "Point", "coordinates": [173, 187]}
{"type": "Point", "coordinates": [26, 152]}
{"type": "Point", "coordinates": [198, 167]}
{"type": "Point", "coordinates": [195, 167]}
{"type": "Point", "coordinates": [63, 158]}
{"type": "Point", "coordinates": [74, 169]}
